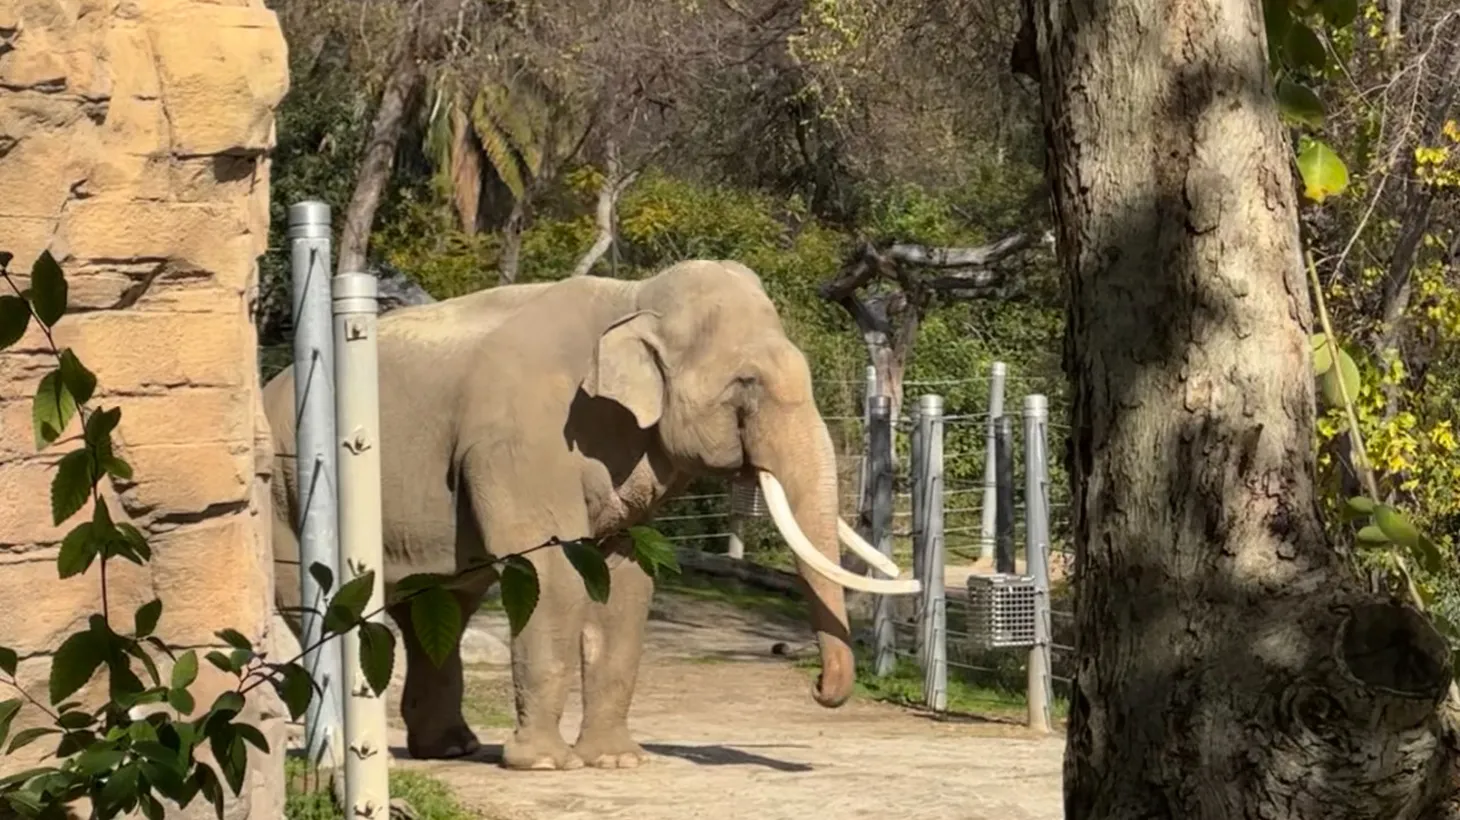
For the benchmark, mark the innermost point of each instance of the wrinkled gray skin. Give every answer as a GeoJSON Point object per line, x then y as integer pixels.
{"type": "Point", "coordinates": [575, 409]}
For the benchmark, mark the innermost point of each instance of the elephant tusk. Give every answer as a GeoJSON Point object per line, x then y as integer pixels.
{"type": "Point", "coordinates": [866, 551]}
{"type": "Point", "coordinates": [780, 510]}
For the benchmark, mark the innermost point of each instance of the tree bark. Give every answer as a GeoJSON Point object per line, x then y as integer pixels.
{"type": "Point", "coordinates": [1229, 663]}
{"type": "Point", "coordinates": [402, 88]}
{"type": "Point", "coordinates": [512, 243]}
{"type": "Point", "coordinates": [615, 182]}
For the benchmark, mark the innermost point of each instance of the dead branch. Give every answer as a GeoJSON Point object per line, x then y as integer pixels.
{"type": "Point", "coordinates": [615, 182]}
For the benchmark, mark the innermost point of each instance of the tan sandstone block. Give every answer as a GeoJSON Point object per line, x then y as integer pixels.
{"type": "Point", "coordinates": [131, 62]}
{"type": "Point", "coordinates": [196, 239]}
{"type": "Point", "coordinates": [17, 433]}
{"type": "Point", "coordinates": [207, 574]}
{"type": "Point", "coordinates": [223, 72]}
{"type": "Point", "coordinates": [189, 481]}
{"type": "Point", "coordinates": [55, 608]}
{"type": "Point", "coordinates": [40, 169]}
{"type": "Point", "coordinates": [132, 350]}
{"type": "Point", "coordinates": [185, 416]}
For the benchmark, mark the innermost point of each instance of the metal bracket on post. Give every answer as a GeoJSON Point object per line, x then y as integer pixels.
{"type": "Point", "coordinates": [880, 451]}
{"type": "Point", "coordinates": [367, 788]}
{"type": "Point", "coordinates": [1036, 557]}
{"type": "Point", "coordinates": [314, 407]}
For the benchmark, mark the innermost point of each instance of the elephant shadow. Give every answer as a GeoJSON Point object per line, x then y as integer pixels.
{"type": "Point", "coordinates": [711, 754]}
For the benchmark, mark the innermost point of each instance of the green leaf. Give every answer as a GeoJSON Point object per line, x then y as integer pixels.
{"type": "Point", "coordinates": [1322, 355]}
{"type": "Point", "coordinates": [151, 808]}
{"type": "Point", "coordinates": [232, 756]}
{"type": "Point", "coordinates": [436, 620]}
{"type": "Point", "coordinates": [8, 710]}
{"type": "Point", "coordinates": [377, 655]}
{"type": "Point", "coordinates": [1303, 48]}
{"type": "Point", "coordinates": [99, 427]}
{"type": "Point", "coordinates": [322, 576]}
{"type": "Point", "coordinates": [1339, 13]}
{"type": "Point", "coordinates": [147, 617]}
{"type": "Point", "coordinates": [222, 661]}
{"type": "Point", "coordinates": [71, 486]}
{"type": "Point", "coordinates": [121, 786]}
{"type": "Point", "coordinates": [51, 410]}
{"type": "Point", "coordinates": [1324, 174]}
{"type": "Point", "coordinates": [253, 736]}
{"type": "Point", "coordinates": [1360, 505]}
{"type": "Point", "coordinates": [185, 670]}
{"type": "Point", "coordinates": [1372, 535]}
{"type": "Point", "coordinates": [80, 381]}
{"type": "Point", "coordinates": [653, 551]}
{"type": "Point", "coordinates": [1427, 555]}
{"type": "Point", "coordinates": [75, 661]}
{"type": "Point", "coordinates": [78, 550]}
{"type": "Point", "coordinates": [349, 603]}
{"type": "Point", "coordinates": [117, 468]}
{"type": "Point", "coordinates": [14, 319]}
{"type": "Point", "coordinates": [47, 289]}
{"type": "Point", "coordinates": [1277, 19]}
{"type": "Point", "coordinates": [207, 784]}
{"type": "Point", "coordinates": [295, 688]}
{"type": "Point", "coordinates": [182, 700]}
{"type": "Point", "coordinates": [519, 591]}
{"type": "Point", "coordinates": [227, 703]}
{"type": "Point", "coordinates": [234, 638]}
{"type": "Point", "coordinates": [588, 560]}
{"type": "Point", "coordinates": [9, 660]}
{"type": "Point", "coordinates": [1396, 526]}
{"type": "Point", "coordinates": [1348, 372]}
{"type": "Point", "coordinates": [75, 720]}
{"type": "Point", "coordinates": [1299, 103]}
{"type": "Point", "coordinates": [25, 737]}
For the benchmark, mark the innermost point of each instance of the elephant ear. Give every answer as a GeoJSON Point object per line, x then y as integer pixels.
{"type": "Point", "coordinates": [626, 368]}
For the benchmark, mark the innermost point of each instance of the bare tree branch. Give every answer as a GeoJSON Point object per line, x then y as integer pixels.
{"type": "Point", "coordinates": [614, 184]}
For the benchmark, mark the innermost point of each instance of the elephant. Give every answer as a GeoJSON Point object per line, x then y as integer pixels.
{"type": "Point", "coordinates": [574, 409]}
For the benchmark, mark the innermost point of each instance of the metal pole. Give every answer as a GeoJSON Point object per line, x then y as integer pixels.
{"type": "Point", "coordinates": [917, 466]}
{"type": "Point", "coordinates": [990, 469]}
{"type": "Point", "coordinates": [864, 493]}
{"type": "Point", "coordinates": [1036, 546]}
{"type": "Point", "coordinates": [735, 542]}
{"type": "Point", "coordinates": [1004, 522]}
{"type": "Point", "coordinates": [935, 672]}
{"type": "Point", "coordinates": [880, 451]}
{"type": "Point", "coordinates": [367, 788]}
{"type": "Point", "coordinates": [314, 408]}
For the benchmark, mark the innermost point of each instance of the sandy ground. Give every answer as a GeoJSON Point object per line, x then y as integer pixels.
{"type": "Point", "coordinates": [735, 734]}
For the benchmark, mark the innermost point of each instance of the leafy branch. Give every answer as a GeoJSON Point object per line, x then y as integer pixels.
{"type": "Point", "coordinates": [122, 757]}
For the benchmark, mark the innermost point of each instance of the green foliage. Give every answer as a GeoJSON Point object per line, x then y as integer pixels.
{"type": "Point", "coordinates": [1300, 58]}
{"type": "Point", "coordinates": [125, 762]}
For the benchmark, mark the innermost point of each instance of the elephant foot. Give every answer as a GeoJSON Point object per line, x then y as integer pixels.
{"type": "Point", "coordinates": [539, 754]}
{"type": "Point", "coordinates": [610, 750]}
{"type": "Point", "coordinates": [457, 742]}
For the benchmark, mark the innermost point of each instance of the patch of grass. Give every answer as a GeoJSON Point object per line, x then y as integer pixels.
{"type": "Point", "coordinates": [728, 591]}
{"type": "Point", "coordinates": [308, 796]}
{"type": "Point", "coordinates": [487, 701]}
{"type": "Point", "coordinates": [967, 695]}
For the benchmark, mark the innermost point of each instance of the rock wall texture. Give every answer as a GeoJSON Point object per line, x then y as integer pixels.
{"type": "Point", "coordinates": [134, 144]}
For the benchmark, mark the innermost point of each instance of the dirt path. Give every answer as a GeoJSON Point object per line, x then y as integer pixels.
{"type": "Point", "coordinates": [735, 734]}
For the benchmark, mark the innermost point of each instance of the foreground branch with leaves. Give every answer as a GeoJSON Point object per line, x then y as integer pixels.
{"type": "Point", "coordinates": [121, 757]}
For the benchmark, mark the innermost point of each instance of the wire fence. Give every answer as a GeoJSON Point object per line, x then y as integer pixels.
{"type": "Point", "coordinates": [701, 519]}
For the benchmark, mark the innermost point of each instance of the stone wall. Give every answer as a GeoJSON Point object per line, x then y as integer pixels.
{"type": "Point", "coordinates": [134, 140]}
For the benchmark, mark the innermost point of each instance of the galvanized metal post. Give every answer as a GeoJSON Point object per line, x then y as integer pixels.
{"type": "Point", "coordinates": [735, 541]}
{"type": "Point", "coordinates": [367, 755]}
{"type": "Point", "coordinates": [935, 633]}
{"type": "Point", "coordinates": [1036, 552]}
{"type": "Point", "coordinates": [864, 492]}
{"type": "Point", "coordinates": [880, 452]}
{"type": "Point", "coordinates": [990, 468]}
{"type": "Point", "coordinates": [1004, 521]}
{"type": "Point", "coordinates": [917, 463]}
{"type": "Point", "coordinates": [314, 447]}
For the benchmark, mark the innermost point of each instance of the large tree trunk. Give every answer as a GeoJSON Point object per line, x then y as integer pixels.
{"type": "Point", "coordinates": [402, 88]}
{"type": "Point", "coordinates": [1229, 663]}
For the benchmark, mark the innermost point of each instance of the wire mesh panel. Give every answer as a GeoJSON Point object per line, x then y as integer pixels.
{"type": "Point", "coordinates": [1001, 610]}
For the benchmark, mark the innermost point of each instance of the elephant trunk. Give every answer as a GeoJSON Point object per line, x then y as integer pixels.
{"type": "Point", "coordinates": [798, 453]}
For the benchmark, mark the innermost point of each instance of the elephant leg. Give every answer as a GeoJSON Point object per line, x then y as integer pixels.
{"type": "Point", "coordinates": [431, 702]}
{"type": "Point", "coordinates": [612, 642]}
{"type": "Point", "coordinates": [542, 655]}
